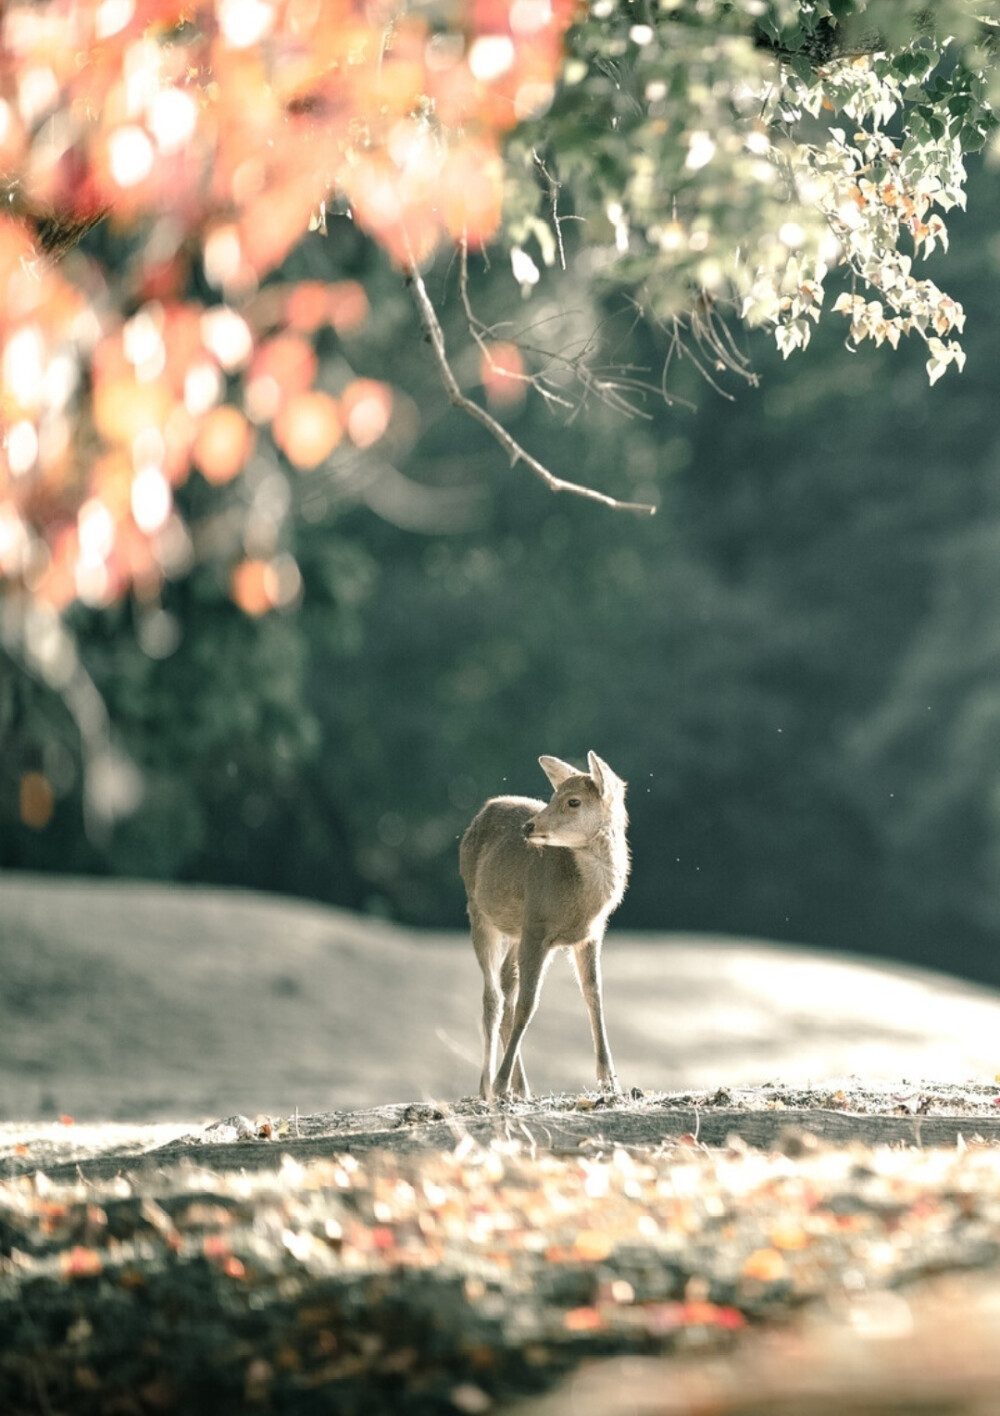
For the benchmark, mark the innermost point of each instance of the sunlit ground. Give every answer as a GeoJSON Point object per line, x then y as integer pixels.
{"type": "Point", "coordinates": [140, 1002]}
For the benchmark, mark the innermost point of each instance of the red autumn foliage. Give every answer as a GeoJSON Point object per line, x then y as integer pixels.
{"type": "Point", "coordinates": [212, 135]}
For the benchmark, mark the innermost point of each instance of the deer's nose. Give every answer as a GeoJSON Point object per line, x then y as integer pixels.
{"type": "Point", "coordinates": [529, 828]}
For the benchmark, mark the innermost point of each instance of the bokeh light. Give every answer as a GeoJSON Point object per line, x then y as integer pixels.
{"type": "Point", "coordinates": [222, 444]}
{"type": "Point", "coordinates": [308, 428]}
{"type": "Point", "coordinates": [209, 145]}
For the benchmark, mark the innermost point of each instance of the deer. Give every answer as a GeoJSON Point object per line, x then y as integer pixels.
{"type": "Point", "coordinates": [542, 877]}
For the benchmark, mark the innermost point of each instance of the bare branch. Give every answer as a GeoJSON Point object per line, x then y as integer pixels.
{"type": "Point", "coordinates": [481, 332]}
{"type": "Point", "coordinates": [511, 446]}
{"type": "Point", "coordinates": [708, 330]}
{"type": "Point", "coordinates": [554, 190]}
{"type": "Point", "coordinates": [611, 383]}
{"type": "Point", "coordinates": [677, 346]}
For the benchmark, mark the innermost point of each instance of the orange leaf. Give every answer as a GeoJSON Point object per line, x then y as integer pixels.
{"type": "Point", "coordinates": [124, 408]}
{"type": "Point", "coordinates": [766, 1265]}
{"type": "Point", "coordinates": [501, 369]}
{"type": "Point", "coordinates": [307, 305]}
{"type": "Point", "coordinates": [80, 1262]}
{"type": "Point", "coordinates": [592, 1245]}
{"type": "Point", "coordinates": [222, 444]}
{"type": "Point", "coordinates": [348, 306]}
{"type": "Point", "coordinates": [57, 585]}
{"type": "Point", "coordinates": [583, 1320]}
{"type": "Point", "coordinates": [472, 192]}
{"type": "Point", "coordinates": [308, 428]}
{"type": "Point", "coordinates": [786, 1234]}
{"type": "Point", "coordinates": [282, 367]}
{"type": "Point", "coordinates": [37, 801]}
{"type": "Point", "coordinates": [367, 407]}
{"type": "Point", "coordinates": [275, 222]}
{"type": "Point", "coordinates": [111, 480]}
{"type": "Point", "coordinates": [252, 587]}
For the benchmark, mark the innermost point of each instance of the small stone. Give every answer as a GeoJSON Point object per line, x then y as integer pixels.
{"type": "Point", "coordinates": [418, 1111]}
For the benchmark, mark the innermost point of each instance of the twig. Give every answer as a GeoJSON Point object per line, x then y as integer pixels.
{"type": "Point", "coordinates": [673, 348]}
{"type": "Point", "coordinates": [554, 190]}
{"type": "Point", "coordinates": [609, 383]}
{"type": "Point", "coordinates": [511, 446]}
{"type": "Point", "coordinates": [479, 332]}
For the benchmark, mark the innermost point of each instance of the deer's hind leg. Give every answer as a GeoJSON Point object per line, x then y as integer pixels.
{"type": "Point", "coordinates": [533, 957]}
{"type": "Point", "coordinates": [509, 984]}
{"type": "Point", "coordinates": [489, 945]}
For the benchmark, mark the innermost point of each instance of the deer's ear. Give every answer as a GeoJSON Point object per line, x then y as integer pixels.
{"type": "Point", "coordinates": [556, 770]}
{"type": "Point", "coordinates": [606, 780]}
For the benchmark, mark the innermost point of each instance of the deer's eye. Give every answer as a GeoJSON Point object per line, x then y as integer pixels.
{"type": "Point", "coordinates": [574, 801]}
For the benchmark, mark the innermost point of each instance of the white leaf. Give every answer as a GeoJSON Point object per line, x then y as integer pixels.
{"type": "Point", "coordinates": [526, 273]}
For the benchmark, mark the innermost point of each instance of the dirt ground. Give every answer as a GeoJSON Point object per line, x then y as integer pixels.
{"type": "Point", "coordinates": [841, 1114]}
{"type": "Point", "coordinates": [235, 1178]}
{"type": "Point", "coordinates": [747, 1252]}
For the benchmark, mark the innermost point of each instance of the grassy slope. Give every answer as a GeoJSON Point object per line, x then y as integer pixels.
{"type": "Point", "coordinates": [129, 1001]}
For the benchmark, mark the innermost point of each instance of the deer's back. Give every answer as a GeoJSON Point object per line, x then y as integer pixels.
{"type": "Point", "coordinates": [495, 860]}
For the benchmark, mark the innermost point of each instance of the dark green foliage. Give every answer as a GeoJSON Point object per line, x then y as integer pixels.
{"type": "Point", "coordinates": [793, 664]}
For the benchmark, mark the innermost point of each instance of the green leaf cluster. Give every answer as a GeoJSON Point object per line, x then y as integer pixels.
{"type": "Point", "coordinates": [713, 151]}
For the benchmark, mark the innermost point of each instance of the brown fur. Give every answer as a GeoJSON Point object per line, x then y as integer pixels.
{"type": "Point", "coordinates": [530, 895]}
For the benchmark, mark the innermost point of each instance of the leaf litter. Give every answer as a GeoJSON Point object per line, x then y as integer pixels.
{"type": "Point", "coordinates": [461, 1279]}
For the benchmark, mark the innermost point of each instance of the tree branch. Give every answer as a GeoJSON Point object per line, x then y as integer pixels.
{"type": "Point", "coordinates": [435, 334]}
{"type": "Point", "coordinates": [481, 334]}
{"type": "Point", "coordinates": [554, 189]}
{"type": "Point", "coordinates": [612, 386]}
{"type": "Point", "coordinates": [851, 40]}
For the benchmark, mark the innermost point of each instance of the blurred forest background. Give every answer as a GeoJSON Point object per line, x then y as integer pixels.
{"type": "Point", "coordinates": [796, 664]}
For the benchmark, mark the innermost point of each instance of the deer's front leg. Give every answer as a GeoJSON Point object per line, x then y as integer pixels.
{"type": "Point", "coordinates": [508, 982]}
{"type": "Point", "coordinates": [532, 958]}
{"type": "Point", "coordinates": [587, 958]}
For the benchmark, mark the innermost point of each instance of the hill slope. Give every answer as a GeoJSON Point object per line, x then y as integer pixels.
{"type": "Point", "coordinates": [134, 1001]}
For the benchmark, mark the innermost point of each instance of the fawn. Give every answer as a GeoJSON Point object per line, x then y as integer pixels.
{"type": "Point", "coordinates": [541, 878]}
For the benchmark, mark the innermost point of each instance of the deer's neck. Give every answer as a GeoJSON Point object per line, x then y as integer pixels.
{"type": "Point", "coordinates": [605, 863]}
